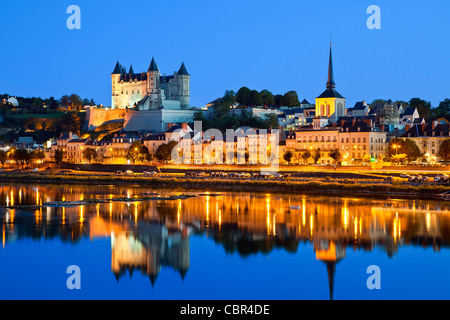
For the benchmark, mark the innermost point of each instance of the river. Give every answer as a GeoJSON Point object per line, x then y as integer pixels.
{"type": "Point", "coordinates": [220, 245]}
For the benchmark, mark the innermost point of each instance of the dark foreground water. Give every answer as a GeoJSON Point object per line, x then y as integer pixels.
{"type": "Point", "coordinates": [233, 245]}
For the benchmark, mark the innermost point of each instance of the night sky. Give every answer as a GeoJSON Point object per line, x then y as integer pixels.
{"type": "Point", "coordinates": [276, 45]}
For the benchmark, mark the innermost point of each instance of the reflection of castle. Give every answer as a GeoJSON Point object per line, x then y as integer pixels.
{"type": "Point", "coordinates": [153, 246]}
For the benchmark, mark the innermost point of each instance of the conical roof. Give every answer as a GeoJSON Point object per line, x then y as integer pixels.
{"type": "Point", "coordinates": [117, 69]}
{"type": "Point", "coordinates": [183, 70]}
{"type": "Point", "coordinates": [153, 66]}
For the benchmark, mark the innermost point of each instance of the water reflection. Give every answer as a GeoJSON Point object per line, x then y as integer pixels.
{"type": "Point", "coordinates": [148, 236]}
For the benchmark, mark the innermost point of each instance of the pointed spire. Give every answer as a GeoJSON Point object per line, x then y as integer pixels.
{"type": "Point", "coordinates": [330, 83]}
{"type": "Point", "coordinates": [153, 66]}
{"type": "Point", "coordinates": [131, 70]}
{"type": "Point", "coordinates": [331, 269]}
{"type": "Point", "coordinates": [117, 68]}
{"type": "Point", "coordinates": [183, 70]}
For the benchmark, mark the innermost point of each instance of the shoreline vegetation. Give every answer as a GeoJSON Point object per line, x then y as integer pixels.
{"type": "Point", "coordinates": [386, 190]}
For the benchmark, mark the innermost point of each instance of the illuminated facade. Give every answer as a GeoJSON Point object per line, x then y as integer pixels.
{"type": "Point", "coordinates": [150, 90]}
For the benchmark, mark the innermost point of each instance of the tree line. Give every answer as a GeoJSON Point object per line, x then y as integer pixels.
{"type": "Point", "coordinates": [424, 107]}
{"type": "Point", "coordinates": [21, 156]}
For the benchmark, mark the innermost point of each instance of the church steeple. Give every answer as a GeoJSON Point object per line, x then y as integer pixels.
{"type": "Point", "coordinates": [330, 82]}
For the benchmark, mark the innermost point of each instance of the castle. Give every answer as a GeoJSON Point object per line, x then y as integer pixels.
{"type": "Point", "coordinates": [146, 101]}
{"type": "Point", "coordinates": [150, 90]}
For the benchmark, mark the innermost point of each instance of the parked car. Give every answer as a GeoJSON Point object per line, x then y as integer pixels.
{"type": "Point", "coordinates": [129, 172]}
{"type": "Point", "coordinates": [35, 170]}
{"type": "Point", "coordinates": [118, 173]}
{"type": "Point", "coordinates": [147, 173]}
{"type": "Point", "coordinates": [441, 178]}
{"type": "Point", "coordinates": [404, 175]}
{"type": "Point", "coordinates": [16, 171]}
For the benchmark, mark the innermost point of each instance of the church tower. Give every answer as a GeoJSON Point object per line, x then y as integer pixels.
{"type": "Point", "coordinates": [330, 103]}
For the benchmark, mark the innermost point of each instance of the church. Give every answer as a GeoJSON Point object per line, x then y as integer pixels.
{"type": "Point", "coordinates": [330, 104]}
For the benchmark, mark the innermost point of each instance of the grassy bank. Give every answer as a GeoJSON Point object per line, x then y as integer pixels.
{"type": "Point", "coordinates": [347, 188]}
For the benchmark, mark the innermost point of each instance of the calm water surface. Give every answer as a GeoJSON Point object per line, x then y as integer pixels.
{"type": "Point", "coordinates": [227, 245]}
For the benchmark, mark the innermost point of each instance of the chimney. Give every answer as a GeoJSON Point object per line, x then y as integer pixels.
{"type": "Point", "coordinates": [433, 125]}
{"type": "Point", "coordinates": [184, 126]}
{"type": "Point", "coordinates": [70, 135]}
{"type": "Point", "coordinates": [382, 128]}
{"type": "Point", "coordinates": [407, 127]}
{"type": "Point", "coordinates": [424, 126]}
{"type": "Point", "coordinates": [342, 123]}
{"type": "Point", "coordinates": [353, 122]}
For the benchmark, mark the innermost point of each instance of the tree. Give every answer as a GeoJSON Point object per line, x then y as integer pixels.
{"type": "Point", "coordinates": [255, 98]}
{"type": "Point", "coordinates": [444, 150]}
{"type": "Point", "coordinates": [399, 158]}
{"type": "Point", "coordinates": [39, 155]}
{"type": "Point", "coordinates": [279, 100]}
{"type": "Point", "coordinates": [316, 155]}
{"type": "Point", "coordinates": [230, 97]}
{"type": "Point", "coordinates": [89, 154]}
{"type": "Point", "coordinates": [137, 152]}
{"type": "Point", "coordinates": [22, 156]}
{"type": "Point", "coordinates": [68, 122]}
{"type": "Point", "coordinates": [164, 151]}
{"type": "Point", "coordinates": [75, 102]}
{"type": "Point", "coordinates": [443, 110]}
{"type": "Point", "coordinates": [288, 156]}
{"type": "Point", "coordinates": [3, 157]}
{"type": "Point", "coordinates": [58, 157]}
{"type": "Point", "coordinates": [367, 158]}
{"type": "Point", "coordinates": [306, 155]}
{"type": "Point", "coordinates": [291, 99]}
{"type": "Point", "coordinates": [408, 147]}
{"type": "Point", "coordinates": [377, 101]}
{"type": "Point", "coordinates": [243, 96]}
{"type": "Point", "coordinates": [336, 155]}
{"type": "Point", "coordinates": [64, 101]}
{"type": "Point", "coordinates": [267, 98]}
{"type": "Point", "coordinates": [423, 107]}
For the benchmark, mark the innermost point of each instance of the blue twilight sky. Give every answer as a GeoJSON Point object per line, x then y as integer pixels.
{"type": "Point", "coordinates": [276, 45]}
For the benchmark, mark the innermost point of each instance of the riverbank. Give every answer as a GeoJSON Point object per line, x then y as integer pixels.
{"type": "Point", "coordinates": [335, 188]}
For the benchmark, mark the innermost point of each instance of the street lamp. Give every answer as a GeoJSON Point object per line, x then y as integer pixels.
{"type": "Point", "coordinates": [396, 148]}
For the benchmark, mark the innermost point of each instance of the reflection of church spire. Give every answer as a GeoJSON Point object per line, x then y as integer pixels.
{"type": "Point", "coordinates": [331, 269]}
{"type": "Point", "coordinates": [183, 273]}
{"type": "Point", "coordinates": [153, 278]}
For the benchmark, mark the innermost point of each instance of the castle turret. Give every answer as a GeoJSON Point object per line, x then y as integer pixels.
{"type": "Point", "coordinates": [115, 78]}
{"type": "Point", "coordinates": [153, 75]}
{"type": "Point", "coordinates": [183, 79]}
